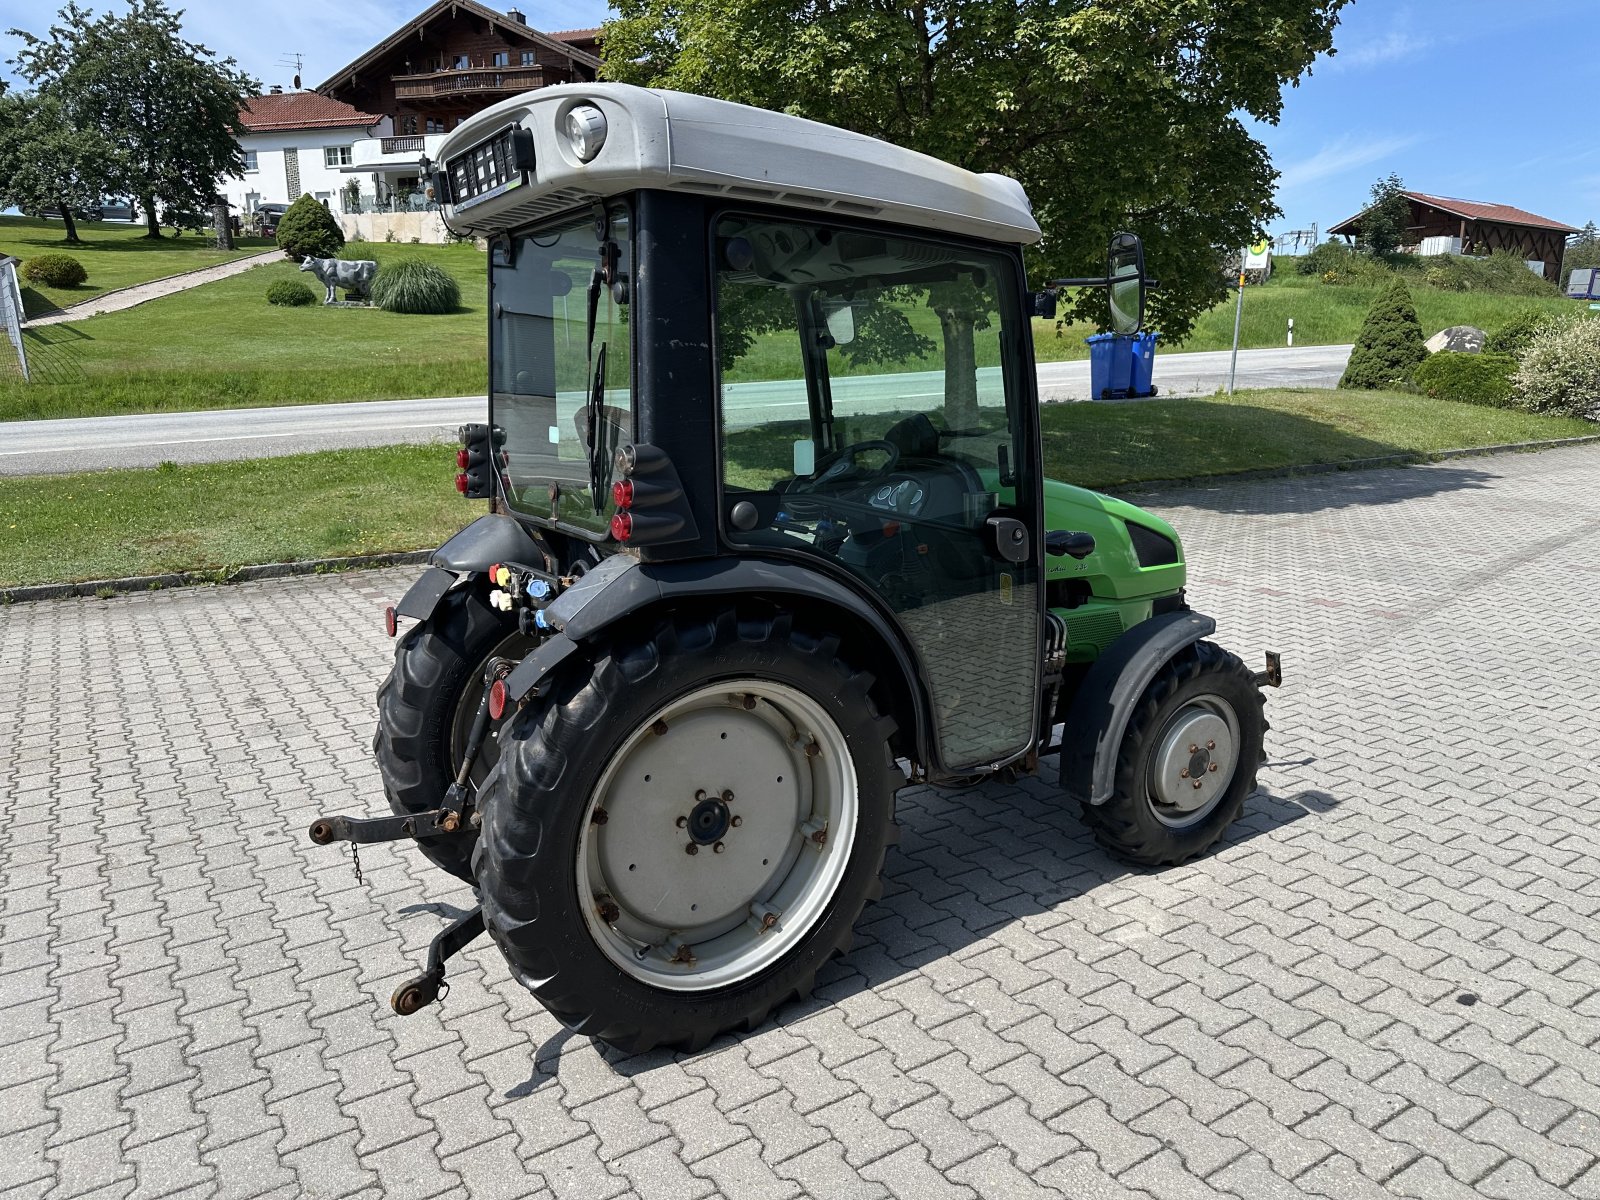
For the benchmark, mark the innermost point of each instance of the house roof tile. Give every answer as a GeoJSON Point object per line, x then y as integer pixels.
{"type": "Point", "coordinates": [300, 110]}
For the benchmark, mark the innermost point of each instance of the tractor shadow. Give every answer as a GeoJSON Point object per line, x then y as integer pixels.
{"type": "Point", "coordinates": [970, 862]}
{"type": "Point", "coordinates": [1307, 494]}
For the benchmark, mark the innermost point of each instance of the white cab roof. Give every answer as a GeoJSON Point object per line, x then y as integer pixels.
{"type": "Point", "coordinates": [678, 142]}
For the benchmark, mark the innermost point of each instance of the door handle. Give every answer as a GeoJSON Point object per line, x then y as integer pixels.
{"type": "Point", "coordinates": [1008, 539]}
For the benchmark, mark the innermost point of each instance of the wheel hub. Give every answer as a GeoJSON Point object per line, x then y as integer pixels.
{"type": "Point", "coordinates": [1194, 760]}
{"type": "Point", "coordinates": [709, 821]}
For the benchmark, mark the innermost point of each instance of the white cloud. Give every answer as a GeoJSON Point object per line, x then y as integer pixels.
{"type": "Point", "coordinates": [1340, 156]}
{"type": "Point", "coordinates": [1391, 47]}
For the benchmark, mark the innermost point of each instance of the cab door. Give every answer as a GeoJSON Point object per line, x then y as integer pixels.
{"type": "Point", "coordinates": [877, 410]}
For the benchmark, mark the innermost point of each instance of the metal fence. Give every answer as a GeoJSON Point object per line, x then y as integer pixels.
{"type": "Point", "coordinates": [11, 309]}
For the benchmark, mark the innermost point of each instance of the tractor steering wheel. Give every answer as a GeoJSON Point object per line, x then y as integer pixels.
{"type": "Point", "coordinates": [841, 460]}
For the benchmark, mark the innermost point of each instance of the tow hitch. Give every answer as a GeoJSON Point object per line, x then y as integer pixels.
{"type": "Point", "coordinates": [1273, 675]}
{"type": "Point", "coordinates": [456, 811]}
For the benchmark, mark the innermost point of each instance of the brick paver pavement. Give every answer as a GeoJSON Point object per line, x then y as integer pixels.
{"type": "Point", "coordinates": [1383, 983]}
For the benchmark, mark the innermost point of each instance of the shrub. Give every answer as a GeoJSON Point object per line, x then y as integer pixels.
{"type": "Point", "coordinates": [308, 229]}
{"type": "Point", "coordinates": [410, 285]}
{"type": "Point", "coordinates": [290, 293]}
{"type": "Point", "coordinates": [55, 271]}
{"type": "Point", "coordinates": [1390, 342]}
{"type": "Point", "coordinates": [1501, 272]}
{"type": "Point", "coordinates": [1560, 370]}
{"type": "Point", "coordinates": [1328, 256]}
{"type": "Point", "coordinates": [1515, 335]}
{"type": "Point", "coordinates": [1469, 378]}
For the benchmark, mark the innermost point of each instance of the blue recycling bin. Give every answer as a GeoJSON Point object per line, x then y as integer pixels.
{"type": "Point", "coordinates": [1121, 365]}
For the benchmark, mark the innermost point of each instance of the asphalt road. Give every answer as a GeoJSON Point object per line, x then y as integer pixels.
{"type": "Point", "coordinates": [93, 443]}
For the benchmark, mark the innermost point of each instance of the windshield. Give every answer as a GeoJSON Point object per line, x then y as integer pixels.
{"type": "Point", "coordinates": [560, 365]}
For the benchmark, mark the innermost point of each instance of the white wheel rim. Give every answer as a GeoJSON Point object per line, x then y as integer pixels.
{"type": "Point", "coordinates": [697, 921]}
{"type": "Point", "coordinates": [1196, 757]}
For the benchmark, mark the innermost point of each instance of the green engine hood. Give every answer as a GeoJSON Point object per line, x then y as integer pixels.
{"type": "Point", "coordinates": [1112, 571]}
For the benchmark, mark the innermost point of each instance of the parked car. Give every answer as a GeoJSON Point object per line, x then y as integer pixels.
{"type": "Point", "coordinates": [270, 215]}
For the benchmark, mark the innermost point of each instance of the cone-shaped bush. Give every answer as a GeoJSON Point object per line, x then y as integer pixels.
{"type": "Point", "coordinates": [409, 285]}
{"type": "Point", "coordinates": [1390, 343]}
{"type": "Point", "coordinates": [309, 229]}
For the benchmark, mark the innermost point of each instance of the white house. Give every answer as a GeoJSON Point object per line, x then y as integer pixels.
{"type": "Point", "coordinates": [298, 142]}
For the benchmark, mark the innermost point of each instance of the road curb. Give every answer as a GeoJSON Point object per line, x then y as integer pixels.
{"type": "Point", "coordinates": [156, 583]}
{"type": "Point", "coordinates": [1409, 458]}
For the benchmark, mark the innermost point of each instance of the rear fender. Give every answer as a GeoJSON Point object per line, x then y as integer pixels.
{"type": "Point", "coordinates": [621, 587]}
{"type": "Point", "coordinates": [472, 551]}
{"type": "Point", "coordinates": [1104, 703]}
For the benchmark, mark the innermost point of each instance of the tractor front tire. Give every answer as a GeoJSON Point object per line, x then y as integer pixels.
{"type": "Point", "coordinates": [1187, 761]}
{"type": "Point", "coordinates": [685, 826]}
{"type": "Point", "coordinates": [427, 705]}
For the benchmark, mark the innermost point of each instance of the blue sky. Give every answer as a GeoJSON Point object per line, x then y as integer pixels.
{"type": "Point", "coordinates": [1488, 100]}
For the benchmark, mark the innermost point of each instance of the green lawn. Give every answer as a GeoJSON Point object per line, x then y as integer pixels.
{"type": "Point", "coordinates": [141, 522]}
{"type": "Point", "coordinates": [115, 255]}
{"type": "Point", "coordinates": [221, 345]}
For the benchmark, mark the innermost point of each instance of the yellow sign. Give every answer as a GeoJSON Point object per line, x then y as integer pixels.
{"type": "Point", "coordinates": [1261, 246]}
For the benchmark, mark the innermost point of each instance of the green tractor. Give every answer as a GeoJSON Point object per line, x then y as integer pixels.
{"type": "Point", "coordinates": [768, 539]}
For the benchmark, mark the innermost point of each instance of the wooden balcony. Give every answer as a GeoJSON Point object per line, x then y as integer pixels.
{"type": "Point", "coordinates": [473, 81]}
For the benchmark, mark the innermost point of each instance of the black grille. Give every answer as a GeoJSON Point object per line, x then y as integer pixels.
{"type": "Point", "coordinates": [1154, 549]}
{"type": "Point", "coordinates": [488, 169]}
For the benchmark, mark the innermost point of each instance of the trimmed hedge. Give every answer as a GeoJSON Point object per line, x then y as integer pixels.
{"type": "Point", "coordinates": [410, 285]}
{"type": "Point", "coordinates": [290, 293]}
{"type": "Point", "coordinates": [309, 230]}
{"type": "Point", "coordinates": [1390, 343]}
{"type": "Point", "coordinates": [55, 271]}
{"type": "Point", "coordinates": [1469, 378]}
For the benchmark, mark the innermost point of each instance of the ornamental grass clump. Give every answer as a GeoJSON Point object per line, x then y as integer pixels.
{"type": "Point", "coordinates": [290, 293]}
{"type": "Point", "coordinates": [55, 271]}
{"type": "Point", "coordinates": [1560, 370]}
{"type": "Point", "coordinates": [1390, 343]}
{"type": "Point", "coordinates": [410, 285]}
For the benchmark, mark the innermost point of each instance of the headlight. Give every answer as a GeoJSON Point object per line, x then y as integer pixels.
{"type": "Point", "coordinates": [586, 131]}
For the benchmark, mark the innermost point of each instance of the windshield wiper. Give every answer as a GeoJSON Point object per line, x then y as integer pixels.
{"type": "Point", "coordinates": [595, 400]}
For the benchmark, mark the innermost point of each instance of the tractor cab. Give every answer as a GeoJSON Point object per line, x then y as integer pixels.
{"type": "Point", "coordinates": [768, 538]}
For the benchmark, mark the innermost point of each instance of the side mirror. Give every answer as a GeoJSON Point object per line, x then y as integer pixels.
{"type": "Point", "coordinates": [840, 319]}
{"type": "Point", "coordinates": [1042, 304]}
{"type": "Point", "coordinates": [1125, 276]}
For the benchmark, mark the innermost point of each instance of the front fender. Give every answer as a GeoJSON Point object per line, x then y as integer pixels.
{"type": "Point", "coordinates": [1105, 700]}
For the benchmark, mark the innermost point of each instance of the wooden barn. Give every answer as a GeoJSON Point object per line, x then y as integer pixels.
{"type": "Point", "coordinates": [1443, 225]}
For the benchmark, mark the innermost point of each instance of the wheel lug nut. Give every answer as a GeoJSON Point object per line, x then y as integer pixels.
{"type": "Point", "coordinates": [717, 849]}
{"type": "Point", "coordinates": [727, 796]}
{"type": "Point", "coordinates": [1212, 767]}
{"type": "Point", "coordinates": [700, 794]}
{"type": "Point", "coordinates": [1211, 745]}
{"type": "Point", "coordinates": [1197, 785]}
{"type": "Point", "coordinates": [683, 822]}
{"type": "Point", "coordinates": [691, 848]}
{"type": "Point", "coordinates": [737, 821]}
{"type": "Point", "coordinates": [1183, 774]}
{"type": "Point", "coordinates": [1194, 748]}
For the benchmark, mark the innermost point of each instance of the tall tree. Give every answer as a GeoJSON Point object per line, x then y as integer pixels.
{"type": "Point", "coordinates": [46, 161]}
{"type": "Point", "coordinates": [1388, 218]}
{"type": "Point", "coordinates": [168, 107]}
{"type": "Point", "coordinates": [1125, 115]}
{"type": "Point", "coordinates": [1583, 250]}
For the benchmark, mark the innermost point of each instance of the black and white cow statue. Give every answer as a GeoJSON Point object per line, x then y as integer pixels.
{"type": "Point", "coordinates": [354, 276]}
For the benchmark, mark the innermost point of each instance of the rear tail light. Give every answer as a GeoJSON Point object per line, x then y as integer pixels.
{"type": "Point", "coordinates": [622, 525]}
{"type": "Point", "coordinates": [461, 483]}
{"type": "Point", "coordinates": [622, 493]}
{"type": "Point", "coordinates": [462, 459]}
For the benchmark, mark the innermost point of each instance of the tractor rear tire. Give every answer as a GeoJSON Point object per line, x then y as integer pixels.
{"type": "Point", "coordinates": [659, 747]}
{"type": "Point", "coordinates": [426, 706]}
{"type": "Point", "coordinates": [1187, 761]}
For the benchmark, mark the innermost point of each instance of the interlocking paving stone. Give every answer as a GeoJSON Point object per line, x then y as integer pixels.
{"type": "Point", "coordinates": [1382, 983]}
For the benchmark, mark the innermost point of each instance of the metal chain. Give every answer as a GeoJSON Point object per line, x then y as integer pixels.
{"type": "Point", "coordinates": [355, 862]}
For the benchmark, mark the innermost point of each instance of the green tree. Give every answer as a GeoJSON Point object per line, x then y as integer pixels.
{"type": "Point", "coordinates": [1582, 251]}
{"type": "Point", "coordinates": [309, 230]}
{"type": "Point", "coordinates": [1113, 116]}
{"type": "Point", "coordinates": [167, 107]}
{"type": "Point", "coordinates": [1390, 343]}
{"type": "Point", "coordinates": [46, 161]}
{"type": "Point", "coordinates": [1387, 221]}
